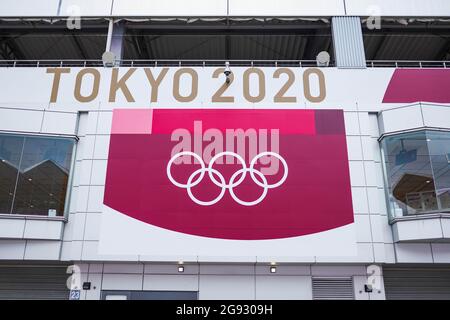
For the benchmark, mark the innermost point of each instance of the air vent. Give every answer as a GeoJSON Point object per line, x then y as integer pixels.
{"type": "Point", "coordinates": [333, 288]}
{"type": "Point", "coordinates": [23, 282]}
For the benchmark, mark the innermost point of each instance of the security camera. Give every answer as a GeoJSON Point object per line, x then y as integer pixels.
{"type": "Point", "coordinates": [368, 288]}
{"type": "Point", "coordinates": [227, 72]}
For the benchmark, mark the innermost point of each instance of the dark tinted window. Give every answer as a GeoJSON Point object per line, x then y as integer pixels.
{"type": "Point", "coordinates": [34, 172]}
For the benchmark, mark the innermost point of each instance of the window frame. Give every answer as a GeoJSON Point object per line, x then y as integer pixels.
{"type": "Point", "coordinates": [386, 185]}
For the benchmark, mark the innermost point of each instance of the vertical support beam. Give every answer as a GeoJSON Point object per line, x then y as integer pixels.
{"type": "Point", "coordinates": [110, 32]}
{"type": "Point", "coordinates": [348, 42]}
{"type": "Point", "coordinates": [114, 41]}
{"type": "Point", "coordinates": [117, 40]}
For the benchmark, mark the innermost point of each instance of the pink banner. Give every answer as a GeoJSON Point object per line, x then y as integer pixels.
{"type": "Point", "coordinates": [419, 85]}
{"type": "Point", "coordinates": [292, 181]}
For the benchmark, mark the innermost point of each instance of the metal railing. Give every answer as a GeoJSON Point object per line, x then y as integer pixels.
{"type": "Point", "coordinates": [218, 63]}
{"type": "Point", "coordinates": [50, 63]}
{"type": "Point", "coordinates": [215, 63]}
{"type": "Point", "coordinates": [157, 63]}
{"type": "Point", "coordinates": [407, 64]}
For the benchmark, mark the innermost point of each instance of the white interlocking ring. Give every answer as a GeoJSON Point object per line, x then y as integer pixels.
{"type": "Point", "coordinates": [186, 153]}
{"type": "Point", "coordinates": [264, 154]}
{"type": "Point", "coordinates": [205, 203]}
{"type": "Point", "coordinates": [248, 203]}
{"type": "Point", "coordinates": [193, 181]}
{"type": "Point", "coordinates": [218, 156]}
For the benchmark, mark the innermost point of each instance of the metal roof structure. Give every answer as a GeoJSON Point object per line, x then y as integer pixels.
{"type": "Point", "coordinates": [217, 39]}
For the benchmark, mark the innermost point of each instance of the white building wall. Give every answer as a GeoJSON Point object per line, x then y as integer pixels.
{"type": "Point", "coordinates": [213, 277]}
{"type": "Point", "coordinates": [250, 8]}
{"type": "Point", "coordinates": [223, 282]}
{"type": "Point", "coordinates": [408, 8]}
{"type": "Point", "coordinates": [81, 234]}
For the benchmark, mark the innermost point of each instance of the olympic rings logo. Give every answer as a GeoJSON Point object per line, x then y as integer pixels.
{"type": "Point", "coordinates": [197, 176]}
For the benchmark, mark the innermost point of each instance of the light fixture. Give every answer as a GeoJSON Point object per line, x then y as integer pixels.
{"type": "Point", "coordinates": [323, 59]}
{"type": "Point", "coordinates": [109, 59]}
{"type": "Point", "coordinates": [273, 269]}
{"type": "Point", "coordinates": [29, 179]}
{"type": "Point", "coordinates": [180, 266]}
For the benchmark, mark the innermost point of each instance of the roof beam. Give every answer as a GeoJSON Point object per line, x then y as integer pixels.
{"type": "Point", "coordinates": [80, 46]}
{"type": "Point", "coordinates": [379, 47]}
{"type": "Point", "coordinates": [14, 51]}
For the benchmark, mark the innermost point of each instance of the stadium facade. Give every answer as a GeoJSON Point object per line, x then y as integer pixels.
{"type": "Point", "coordinates": [225, 149]}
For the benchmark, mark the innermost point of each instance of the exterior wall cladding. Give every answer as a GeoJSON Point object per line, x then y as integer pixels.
{"type": "Point", "coordinates": [415, 242]}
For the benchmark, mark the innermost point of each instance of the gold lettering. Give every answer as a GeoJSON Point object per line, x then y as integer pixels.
{"type": "Point", "coordinates": [307, 85]}
{"type": "Point", "coordinates": [218, 96]}
{"type": "Point", "coordinates": [117, 84]}
{"type": "Point", "coordinates": [176, 85]}
{"type": "Point", "coordinates": [279, 97]}
{"type": "Point", "coordinates": [95, 87]}
{"type": "Point", "coordinates": [261, 85]}
{"type": "Point", "coordinates": [56, 79]}
{"type": "Point", "coordinates": [154, 83]}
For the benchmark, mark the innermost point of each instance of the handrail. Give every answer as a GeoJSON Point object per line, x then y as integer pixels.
{"type": "Point", "coordinates": [155, 63]}
{"type": "Point", "coordinates": [407, 64]}
{"type": "Point", "coordinates": [215, 63]}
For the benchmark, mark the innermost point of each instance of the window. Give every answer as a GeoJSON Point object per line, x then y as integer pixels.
{"type": "Point", "coordinates": [34, 174]}
{"type": "Point", "coordinates": [417, 169]}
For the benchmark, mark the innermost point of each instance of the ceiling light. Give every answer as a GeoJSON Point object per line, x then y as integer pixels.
{"type": "Point", "coordinates": [180, 269]}
{"type": "Point", "coordinates": [273, 269]}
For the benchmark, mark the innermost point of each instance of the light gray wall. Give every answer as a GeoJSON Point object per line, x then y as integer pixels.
{"type": "Point", "coordinates": [28, 8]}
{"type": "Point", "coordinates": [215, 281]}
{"type": "Point", "coordinates": [81, 234]}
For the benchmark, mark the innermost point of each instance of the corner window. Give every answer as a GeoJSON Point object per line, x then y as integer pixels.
{"type": "Point", "coordinates": [34, 174]}
{"type": "Point", "coordinates": [417, 167]}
